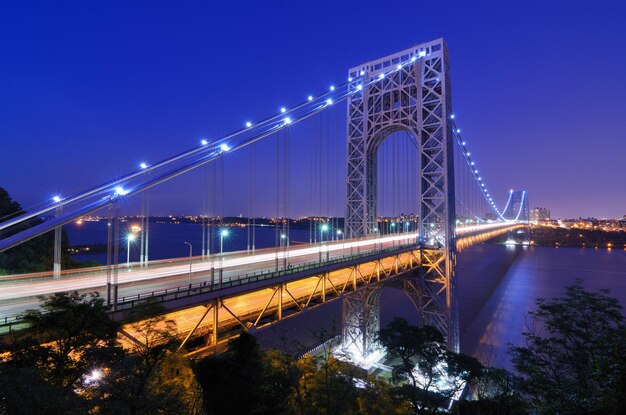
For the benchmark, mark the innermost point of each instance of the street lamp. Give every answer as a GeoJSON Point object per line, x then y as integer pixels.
{"type": "Point", "coordinates": [223, 234]}
{"type": "Point", "coordinates": [324, 228]}
{"type": "Point", "coordinates": [190, 252]}
{"type": "Point", "coordinates": [129, 238]}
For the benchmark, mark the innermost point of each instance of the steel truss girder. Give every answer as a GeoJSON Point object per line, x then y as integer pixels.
{"type": "Point", "coordinates": [415, 99]}
{"type": "Point", "coordinates": [280, 299]}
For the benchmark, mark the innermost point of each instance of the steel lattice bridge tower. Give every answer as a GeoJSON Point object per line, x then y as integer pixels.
{"type": "Point", "coordinates": [416, 99]}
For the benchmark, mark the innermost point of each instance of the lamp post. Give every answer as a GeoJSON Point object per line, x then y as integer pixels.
{"type": "Point", "coordinates": [343, 243]}
{"type": "Point", "coordinates": [129, 238]}
{"type": "Point", "coordinates": [283, 244]}
{"type": "Point", "coordinates": [223, 234]}
{"type": "Point", "coordinates": [190, 253]}
{"type": "Point", "coordinates": [324, 228]}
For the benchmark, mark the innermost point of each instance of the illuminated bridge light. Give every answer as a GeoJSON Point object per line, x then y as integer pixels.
{"type": "Point", "coordinates": [381, 76]}
{"type": "Point", "coordinates": [287, 120]}
{"type": "Point", "coordinates": [143, 166]}
{"type": "Point", "coordinates": [463, 143]}
{"type": "Point", "coordinates": [362, 73]}
{"type": "Point", "coordinates": [332, 87]}
{"type": "Point", "coordinates": [283, 110]}
{"type": "Point", "coordinates": [458, 130]}
{"type": "Point", "coordinates": [350, 79]}
{"type": "Point", "coordinates": [413, 59]}
{"type": "Point", "coordinates": [56, 198]}
{"type": "Point", "coordinates": [224, 147]}
{"type": "Point", "coordinates": [399, 67]}
{"type": "Point", "coordinates": [422, 54]}
{"type": "Point", "coordinates": [248, 124]}
{"type": "Point", "coordinates": [359, 87]}
{"type": "Point", "coordinates": [451, 116]}
{"type": "Point", "coordinates": [120, 191]}
{"type": "Point", "coordinates": [204, 142]}
{"type": "Point", "coordinates": [310, 98]}
{"type": "Point", "coordinates": [329, 101]}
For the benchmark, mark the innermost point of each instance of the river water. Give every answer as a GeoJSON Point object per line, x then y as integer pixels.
{"type": "Point", "coordinates": [497, 286]}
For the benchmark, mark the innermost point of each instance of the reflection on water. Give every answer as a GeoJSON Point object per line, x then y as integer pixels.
{"type": "Point", "coordinates": [535, 273]}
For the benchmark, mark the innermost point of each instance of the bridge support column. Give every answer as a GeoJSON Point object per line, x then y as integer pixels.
{"type": "Point", "coordinates": [361, 323]}
{"type": "Point", "coordinates": [213, 338]}
{"type": "Point", "coordinates": [56, 270]}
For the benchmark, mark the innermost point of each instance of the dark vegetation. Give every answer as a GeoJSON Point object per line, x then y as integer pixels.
{"type": "Point", "coordinates": [73, 359]}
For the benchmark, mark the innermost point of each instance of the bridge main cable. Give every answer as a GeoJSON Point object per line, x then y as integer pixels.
{"type": "Point", "coordinates": [122, 187]}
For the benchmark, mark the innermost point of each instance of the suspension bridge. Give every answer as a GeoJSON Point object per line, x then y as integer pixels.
{"type": "Point", "coordinates": [405, 200]}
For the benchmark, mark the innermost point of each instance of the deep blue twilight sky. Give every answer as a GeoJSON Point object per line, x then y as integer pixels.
{"type": "Point", "coordinates": [91, 88]}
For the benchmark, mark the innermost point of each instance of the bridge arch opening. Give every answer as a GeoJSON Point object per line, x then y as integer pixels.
{"type": "Point", "coordinates": [394, 160]}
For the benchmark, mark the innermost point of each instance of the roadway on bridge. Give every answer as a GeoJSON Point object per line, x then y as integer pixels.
{"type": "Point", "coordinates": [19, 295]}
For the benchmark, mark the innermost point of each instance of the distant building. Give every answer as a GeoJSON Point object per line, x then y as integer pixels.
{"type": "Point", "coordinates": [539, 214]}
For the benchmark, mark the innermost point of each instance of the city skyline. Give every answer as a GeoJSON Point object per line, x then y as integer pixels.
{"type": "Point", "coordinates": [120, 87]}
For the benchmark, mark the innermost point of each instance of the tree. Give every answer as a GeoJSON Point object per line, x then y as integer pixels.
{"type": "Point", "coordinates": [574, 360]}
{"type": "Point", "coordinates": [150, 378]}
{"type": "Point", "coordinates": [423, 370]}
{"type": "Point", "coordinates": [231, 382]}
{"type": "Point", "coordinates": [47, 365]}
{"type": "Point", "coordinates": [494, 393]}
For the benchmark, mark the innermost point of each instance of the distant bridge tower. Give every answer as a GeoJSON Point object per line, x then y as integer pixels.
{"type": "Point", "coordinates": [415, 99]}
{"type": "Point", "coordinates": [517, 207]}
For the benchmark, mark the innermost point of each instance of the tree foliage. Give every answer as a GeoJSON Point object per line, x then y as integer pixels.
{"type": "Point", "coordinates": [574, 360]}
{"type": "Point", "coordinates": [424, 371]}
{"type": "Point", "coordinates": [71, 361]}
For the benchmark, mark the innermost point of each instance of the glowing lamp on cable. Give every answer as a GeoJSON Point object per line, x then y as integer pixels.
{"type": "Point", "coordinates": [248, 124]}
{"type": "Point", "coordinates": [413, 59]}
{"type": "Point", "coordinates": [204, 142]}
{"type": "Point", "coordinates": [451, 116]}
{"type": "Point", "coordinates": [362, 73]}
{"type": "Point", "coordinates": [283, 110]}
{"type": "Point", "coordinates": [422, 54]}
{"type": "Point", "coordinates": [143, 166]}
{"type": "Point", "coordinates": [56, 198]}
{"type": "Point", "coordinates": [120, 191]}
{"type": "Point", "coordinates": [359, 87]}
{"type": "Point", "coordinates": [381, 76]}
{"type": "Point", "coordinates": [458, 130]}
{"type": "Point", "coordinates": [329, 101]}
{"type": "Point", "coordinates": [399, 67]}
{"type": "Point", "coordinates": [310, 97]}
{"type": "Point", "coordinates": [224, 147]}
{"type": "Point", "coordinates": [287, 120]}
{"type": "Point", "coordinates": [350, 79]}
